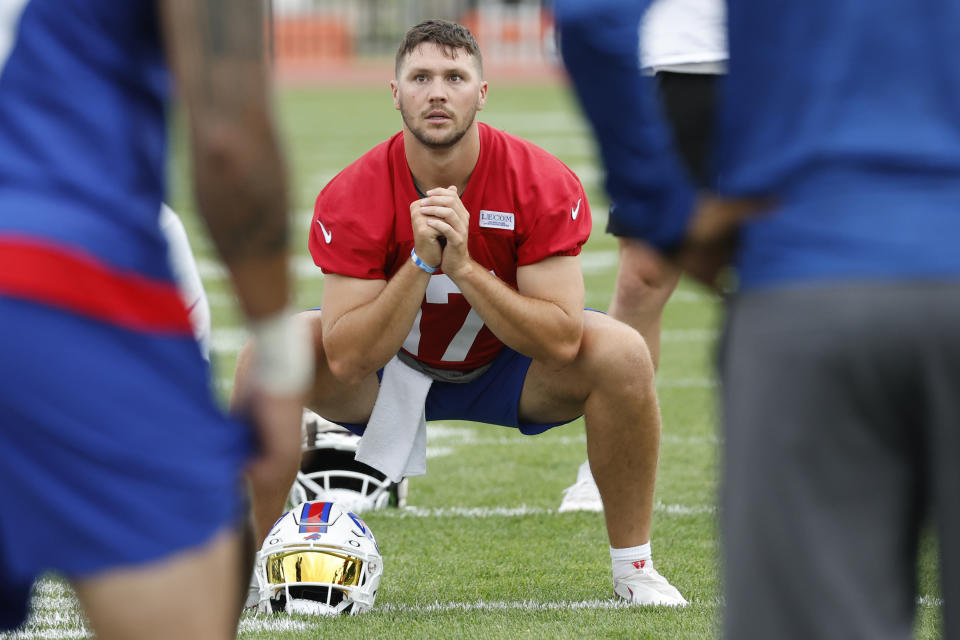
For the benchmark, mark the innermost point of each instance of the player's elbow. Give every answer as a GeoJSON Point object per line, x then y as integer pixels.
{"type": "Point", "coordinates": [564, 348]}
{"type": "Point", "coordinates": [567, 351]}
{"type": "Point", "coordinates": [223, 153]}
{"type": "Point", "coordinates": [240, 149]}
{"type": "Point", "coordinates": [348, 369]}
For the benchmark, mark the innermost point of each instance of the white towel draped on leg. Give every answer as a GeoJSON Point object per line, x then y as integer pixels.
{"type": "Point", "coordinates": [395, 441]}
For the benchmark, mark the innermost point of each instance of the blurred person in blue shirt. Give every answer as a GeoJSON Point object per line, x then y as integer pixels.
{"type": "Point", "coordinates": [832, 215]}
{"type": "Point", "coordinates": [118, 469]}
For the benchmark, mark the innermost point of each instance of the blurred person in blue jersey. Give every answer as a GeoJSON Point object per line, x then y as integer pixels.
{"type": "Point", "coordinates": [835, 211]}
{"type": "Point", "coordinates": [118, 469]}
{"type": "Point", "coordinates": [683, 46]}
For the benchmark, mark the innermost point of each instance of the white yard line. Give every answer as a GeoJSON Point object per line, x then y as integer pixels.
{"type": "Point", "coordinates": [480, 605]}
{"type": "Point", "coordinates": [258, 624]}
{"type": "Point", "coordinates": [441, 432]}
{"type": "Point", "coordinates": [303, 267]}
{"type": "Point", "coordinates": [688, 335]}
{"type": "Point", "coordinates": [52, 598]}
{"type": "Point", "coordinates": [693, 296]}
{"type": "Point", "coordinates": [47, 634]}
{"type": "Point", "coordinates": [228, 340]}
{"type": "Point", "coordinates": [598, 261]}
{"type": "Point", "coordinates": [451, 446]}
{"type": "Point", "coordinates": [521, 511]}
{"type": "Point", "coordinates": [474, 440]}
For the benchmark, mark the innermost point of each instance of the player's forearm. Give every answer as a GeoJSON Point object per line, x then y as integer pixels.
{"type": "Point", "coordinates": [363, 340]}
{"type": "Point", "coordinates": [244, 206]}
{"type": "Point", "coordinates": [218, 56]}
{"type": "Point", "coordinates": [540, 329]}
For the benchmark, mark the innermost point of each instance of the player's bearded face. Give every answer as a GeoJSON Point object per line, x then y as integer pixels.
{"type": "Point", "coordinates": [424, 125]}
{"type": "Point", "coordinates": [438, 97]}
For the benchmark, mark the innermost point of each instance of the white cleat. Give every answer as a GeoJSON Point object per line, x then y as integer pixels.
{"type": "Point", "coordinates": [583, 495]}
{"type": "Point", "coordinates": [647, 587]}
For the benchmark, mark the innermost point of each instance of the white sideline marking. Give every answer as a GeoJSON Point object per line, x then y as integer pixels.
{"type": "Point", "coordinates": [51, 597]}
{"type": "Point", "coordinates": [524, 605]}
{"type": "Point", "coordinates": [562, 605]}
{"type": "Point", "coordinates": [78, 630]}
{"type": "Point", "coordinates": [439, 452]}
{"type": "Point", "coordinates": [221, 299]}
{"type": "Point", "coordinates": [598, 261]}
{"type": "Point", "coordinates": [254, 624]}
{"type": "Point", "coordinates": [51, 588]}
{"type": "Point", "coordinates": [57, 602]}
{"type": "Point", "coordinates": [464, 435]}
{"type": "Point", "coordinates": [683, 510]}
{"type": "Point", "coordinates": [47, 634]}
{"type": "Point", "coordinates": [228, 340]}
{"type": "Point", "coordinates": [693, 296]}
{"type": "Point", "coordinates": [522, 510]}
{"type": "Point", "coordinates": [471, 439]}
{"type": "Point", "coordinates": [303, 267]}
{"type": "Point", "coordinates": [443, 430]}
{"type": "Point", "coordinates": [53, 614]}
{"type": "Point", "coordinates": [474, 440]}
{"type": "Point", "coordinates": [464, 512]}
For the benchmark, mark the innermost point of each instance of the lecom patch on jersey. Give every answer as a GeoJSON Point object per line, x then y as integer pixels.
{"type": "Point", "coordinates": [496, 219]}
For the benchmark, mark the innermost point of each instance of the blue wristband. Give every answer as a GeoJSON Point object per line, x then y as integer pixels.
{"type": "Point", "coordinates": [420, 263]}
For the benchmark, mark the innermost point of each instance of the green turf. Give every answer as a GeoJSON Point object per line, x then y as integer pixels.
{"type": "Point", "coordinates": [467, 572]}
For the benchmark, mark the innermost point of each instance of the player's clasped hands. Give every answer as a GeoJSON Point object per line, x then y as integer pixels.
{"type": "Point", "coordinates": [442, 215]}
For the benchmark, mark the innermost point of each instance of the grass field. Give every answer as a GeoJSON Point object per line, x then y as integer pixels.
{"type": "Point", "coordinates": [482, 551]}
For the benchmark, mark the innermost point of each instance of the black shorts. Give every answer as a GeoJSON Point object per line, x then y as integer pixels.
{"type": "Point", "coordinates": [689, 103]}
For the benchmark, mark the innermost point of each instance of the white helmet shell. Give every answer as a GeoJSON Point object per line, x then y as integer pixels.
{"type": "Point", "coordinates": [329, 472]}
{"type": "Point", "coordinates": [318, 559]}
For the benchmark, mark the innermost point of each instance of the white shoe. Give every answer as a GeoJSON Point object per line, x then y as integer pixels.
{"type": "Point", "coordinates": [583, 495]}
{"type": "Point", "coordinates": [645, 587]}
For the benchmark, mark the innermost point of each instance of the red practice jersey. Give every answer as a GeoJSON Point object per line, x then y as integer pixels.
{"type": "Point", "coordinates": [524, 205]}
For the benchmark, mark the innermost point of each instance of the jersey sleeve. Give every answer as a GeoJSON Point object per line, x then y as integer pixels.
{"type": "Point", "coordinates": [561, 221]}
{"type": "Point", "coordinates": [352, 223]}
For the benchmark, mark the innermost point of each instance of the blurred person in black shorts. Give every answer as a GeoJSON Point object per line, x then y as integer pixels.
{"type": "Point", "coordinates": [684, 48]}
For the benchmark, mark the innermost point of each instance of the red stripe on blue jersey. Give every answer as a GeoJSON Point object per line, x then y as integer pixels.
{"type": "Point", "coordinates": [314, 517]}
{"type": "Point", "coordinates": [68, 279]}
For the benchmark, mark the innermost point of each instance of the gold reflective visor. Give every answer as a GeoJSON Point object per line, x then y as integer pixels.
{"type": "Point", "coordinates": [313, 566]}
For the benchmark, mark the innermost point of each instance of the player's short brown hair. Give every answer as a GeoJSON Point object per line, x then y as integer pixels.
{"type": "Point", "coordinates": [449, 36]}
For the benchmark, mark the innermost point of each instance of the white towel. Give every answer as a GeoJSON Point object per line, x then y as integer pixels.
{"type": "Point", "coordinates": [395, 441]}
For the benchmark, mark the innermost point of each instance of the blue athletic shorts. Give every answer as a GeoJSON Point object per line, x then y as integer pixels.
{"type": "Point", "coordinates": [113, 451]}
{"type": "Point", "coordinates": [493, 398]}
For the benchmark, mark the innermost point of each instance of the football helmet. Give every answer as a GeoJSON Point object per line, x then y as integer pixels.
{"type": "Point", "coordinates": [318, 559]}
{"type": "Point", "coordinates": [328, 471]}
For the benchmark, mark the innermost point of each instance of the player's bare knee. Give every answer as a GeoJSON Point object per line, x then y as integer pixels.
{"type": "Point", "coordinates": [614, 350]}
{"type": "Point", "coordinates": [643, 292]}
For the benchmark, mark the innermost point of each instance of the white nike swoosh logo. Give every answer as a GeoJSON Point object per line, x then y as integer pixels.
{"type": "Point", "coordinates": [574, 211]}
{"type": "Point", "coordinates": [327, 236]}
